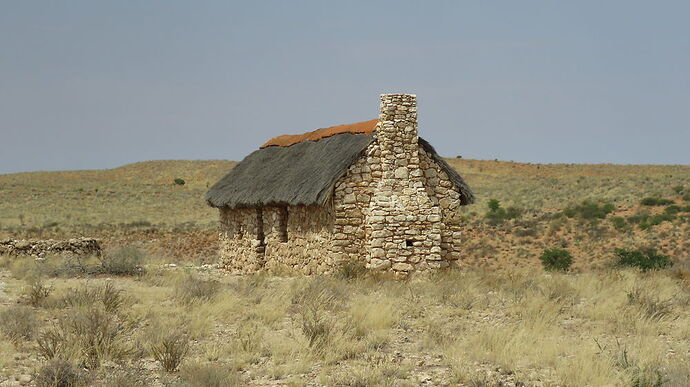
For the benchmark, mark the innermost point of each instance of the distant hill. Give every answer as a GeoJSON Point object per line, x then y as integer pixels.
{"type": "Point", "coordinates": [145, 192]}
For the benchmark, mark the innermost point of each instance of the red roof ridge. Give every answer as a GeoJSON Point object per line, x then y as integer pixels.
{"type": "Point", "coordinates": [364, 127]}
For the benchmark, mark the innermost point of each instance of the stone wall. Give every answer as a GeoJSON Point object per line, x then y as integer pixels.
{"type": "Point", "coordinates": [296, 238]}
{"type": "Point", "coordinates": [241, 247]}
{"type": "Point", "coordinates": [443, 193]}
{"type": "Point", "coordinates": [306, 248]}
{"type": "Point", "coordinates": [41, 248]}
{"type": "Point", "coordinates": [351, 198]}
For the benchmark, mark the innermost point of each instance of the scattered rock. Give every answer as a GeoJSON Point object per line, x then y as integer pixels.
{"type": "Point", "coordinates": [39, 248]}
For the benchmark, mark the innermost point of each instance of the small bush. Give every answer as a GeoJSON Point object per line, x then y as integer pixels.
{"type": "Point", "coordinates": [556, 259]}
{"type": "Point", "coordinates": [643, 259]}
{"type": "Point", "coordinates": [179, 181]}
{"type": "Point", "coordinates": [498, 214]}
{"type": "Point", "coordinates": [686, 197]}
{"type": "Point", "coordinates": [656, 220]}
{"type": "Point", "coordinates": [678, 189]}
{"type": "Point", "coordinates": [193, 289]}
{"type": "Point", "coordinates": [316, 324]}
{"type": "Point", "coordinates": [589, 210]}
{"type": "Point", "coordinates": [673, 209]}
{"type": "Point", "coordinates": [209, 375]}
{"type": "Point", "coordinates": [349, 270]}
{"type": "Point", "coordinates": [493, 205]}
{"type": "Point", "coordinates": [653, 201]}
{"type": "Point", "coordinates": [96, 334]}
{"type": "Point", "coordinates": [638, 218]}
{"type": "Point", "coordinates": [314, 306]}
{"type": "Point", "coordinates": [248, 337]}
{"type": "Point", "coordinates": [124, 261]}
{"type": "Point", "coordinates": [107, 295]}
{"type": "Point", "coordinates": [170, 350]}
{"type": "Point", "coordinates": [51, 343]}
{"type": "Point", "coordinates": [58, 373]}
{"type": "Point", "coordinates": [36, 292]}
{"type": "Point", "coordinates": [650, 305]}
{"type": "Point", "coordinates": [18, 323]}
{"type": "Point", "coordinates": [620, 224]}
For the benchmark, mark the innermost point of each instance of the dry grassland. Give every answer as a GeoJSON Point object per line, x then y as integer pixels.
{"type": "Point", "coordinates": [497, 320]}
{"type": "Point", "coordinates": [473, 328]}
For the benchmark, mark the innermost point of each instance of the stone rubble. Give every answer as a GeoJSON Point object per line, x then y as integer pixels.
{"type": "Point", "coordinates": [41, 248]}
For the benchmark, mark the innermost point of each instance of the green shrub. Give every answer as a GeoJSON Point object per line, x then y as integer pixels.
{"type": "Point", "coordinates": [643, 259]}
{"type": "Point", "coordinates": [498, 214]}
{"type": "Point", "coordinates": [678, 189]}
{"type": "Point", "coordinates": [686, 197]}
{"type": "Point", "coordinates": [179, 181]}
{"type": "Point", "coordinates": [653, 201]}
{"type": "Point", "coordinates": [638, 218]}
{"type": "Point", "coordinates": [645, 221]}
{"type": "Point", "coordinates": [656, 220]}
{"type": "Point", "coordinates": [493, 205]}
{"type": "Point", "coordinates": [589, 210]}
{"type": "Point", "coordinates": [673, 209]}
{"type": "Point", "coordinates": [556, 259]}
{"type": "Point", "coordinates": [126, 260]}
{"type": "Point", "coordinates": [620, 224]}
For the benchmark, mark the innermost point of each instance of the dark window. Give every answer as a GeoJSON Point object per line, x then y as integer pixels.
{"type": "Point", "coordinates": [408, 243]}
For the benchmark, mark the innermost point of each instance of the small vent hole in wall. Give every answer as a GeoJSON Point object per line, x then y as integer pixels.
{"type": "Point", "coordinates": [408, 243]}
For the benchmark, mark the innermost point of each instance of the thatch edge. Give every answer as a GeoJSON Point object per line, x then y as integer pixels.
{"type": "Point", "coordinates": [326, 193]}
{"type": "Point", "coordinates": [466, 195]}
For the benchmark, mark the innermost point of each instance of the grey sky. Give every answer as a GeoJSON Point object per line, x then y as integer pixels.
{"type": "Point", "coordinates": [86, 84]}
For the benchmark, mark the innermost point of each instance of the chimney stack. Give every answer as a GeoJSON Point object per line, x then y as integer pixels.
{"type": "Point", "coordinates": [397, 135]}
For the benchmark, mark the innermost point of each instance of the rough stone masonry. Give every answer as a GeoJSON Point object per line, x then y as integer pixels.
{"type": "Point", "coordinates": [394, 208]}
{"type": "Point", "coordinates": [41, 248]}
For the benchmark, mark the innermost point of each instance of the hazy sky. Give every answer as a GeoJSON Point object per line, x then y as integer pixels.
{"type": "Point", "coordinates": [95, 84]}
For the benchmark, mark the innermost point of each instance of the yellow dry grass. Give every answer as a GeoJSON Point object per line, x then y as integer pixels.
{"type": "Point", "coordinates": [472, 327]}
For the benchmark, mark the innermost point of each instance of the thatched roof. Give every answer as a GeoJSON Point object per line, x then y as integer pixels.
{"type": "Point", "coordinates": [303, 173]}
{"type": "Point", "coordinates": [364, 127]}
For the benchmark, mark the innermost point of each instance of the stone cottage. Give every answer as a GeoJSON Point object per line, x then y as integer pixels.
{"type": "Point", "coordinates": [372, 191]}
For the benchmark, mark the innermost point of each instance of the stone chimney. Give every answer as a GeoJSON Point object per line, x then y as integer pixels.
{"type": "Point", "coordinates": [397, 135]}
{"type": "Point", "coordinates": [403, 228]}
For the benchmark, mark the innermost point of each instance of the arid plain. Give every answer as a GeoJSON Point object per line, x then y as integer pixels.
{"type": "Point", "coordinates": [153, 310]}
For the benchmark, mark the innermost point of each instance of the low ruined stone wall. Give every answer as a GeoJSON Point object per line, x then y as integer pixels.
{"type": "Point", "coordinates": [41, 248]}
